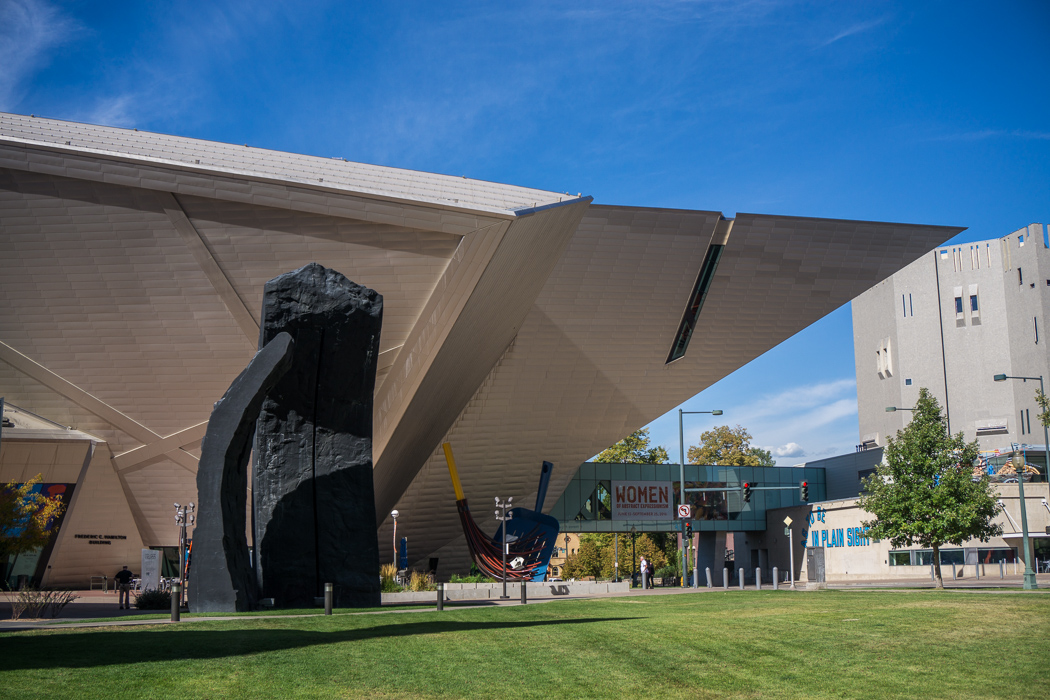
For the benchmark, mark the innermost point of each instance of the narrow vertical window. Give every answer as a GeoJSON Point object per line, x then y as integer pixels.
{"type": "Point", "coordinates": [1022, 422]}
{"type": "Point", "coordinates": [910, 305]}
{"type": "Point", "coordinates": [904, 307]}
{"type": "Point", "coordinates": [1029, 417]}
{"type": "Point", "coordinates": [696, 302]}
{"type": "Point", "coordinates": [1036, 322]}
{"type": "Point", "coordinates": [973, 302]}
{"type": "Point", "coordinates": [1020, 277]}
{"type": "Point", "coordinates": [958, 305]}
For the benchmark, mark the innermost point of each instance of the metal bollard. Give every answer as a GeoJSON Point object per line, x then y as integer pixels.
{"type": "Point", "coordinates": [953, 571]}
{"type": "Point", "coordinates": [328, 599]}
{"type": "Point", "coordinates": [977, 570]}
{"type": "Point", "coordinates": [725, 578]}
{"type": "Point", "coordinates": [441, 596]}
{"type": "Point", "coordinates": [932, 577]}
{"type": "Point", "coordinates": [523, 595]}
{"type": "Point", "coordinates": [176, 602]}
{"type": "Point", "coordinates": [776, 578]}
{"type": "Point", "coordinates": [1001, 568]}
{"type": "Point", "coordinates": [758, 578]}
{"type": "Point", "coordinates": [645, 579]}
{"type": "Point", "coordinates": [741, 574]}
{"type": "Point", "coordinates": [696, 578]}
{"type": "Point", "coordinates": [709, 582]}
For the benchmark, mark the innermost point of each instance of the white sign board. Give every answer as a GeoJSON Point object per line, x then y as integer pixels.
{"type": "Point", "coordinates": [684, 511]}
{"type": "Point", "coordinates": [642, 500]}
{"type": "Point", "coordinates": [150, 575]}
{"type": "Point", "coordinates": [788, 521]}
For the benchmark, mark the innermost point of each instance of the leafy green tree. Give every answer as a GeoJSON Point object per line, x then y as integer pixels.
{"type": "Point", "coordinates": [586, 560]}
{"type": "Point", "coordinates": [595, 556]}
{"type": "Point", "coordinates": [765, 457]}
{"type": "Point", "coordinates": [633, 449]}
{"type": "Point", "coordinates": [25, 518]}
{"type": "Point", "coordinates": [927, 491]}
{"type": "Point", "coordinates": [729, 447]}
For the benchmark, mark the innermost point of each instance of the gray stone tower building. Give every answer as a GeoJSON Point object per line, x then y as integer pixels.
{"type": "Point", "coordinates": [949, 322]}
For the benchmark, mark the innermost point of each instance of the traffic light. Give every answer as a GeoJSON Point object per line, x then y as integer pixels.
{"type": "Point", "coordinates": [747, 492]}
{"type": "Point", "coordinates": [803, 491]}
{"type": "Point", "coordinates": [688, 529]}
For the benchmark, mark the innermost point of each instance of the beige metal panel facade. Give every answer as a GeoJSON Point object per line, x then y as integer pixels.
{"type": "Point", "coordinates": [522, 325]}
{"type": "Point", "coordinates": [245, 188]}
{"type": "Point", "coordinates": [472, 342]}
{"type": "Point", "coordinates": [588, 365]}
{"type": "Point", "coordinates": [104, 293]}
{"type": "Point", "coordinates": [383, 182]}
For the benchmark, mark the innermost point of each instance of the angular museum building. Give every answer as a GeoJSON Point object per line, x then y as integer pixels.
{"type": "Point", "coordinates": [520, 325]}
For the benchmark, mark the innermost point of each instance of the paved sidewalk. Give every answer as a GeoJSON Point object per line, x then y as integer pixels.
{"type": "Point", "coordinates": [97, 604]}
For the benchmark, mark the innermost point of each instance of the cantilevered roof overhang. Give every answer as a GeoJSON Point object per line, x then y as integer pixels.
{"type": "Point", "coordinates": [520, 324]}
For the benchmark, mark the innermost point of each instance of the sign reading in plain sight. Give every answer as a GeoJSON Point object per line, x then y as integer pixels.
{"type": "Point", "coordinates": [642, 500]}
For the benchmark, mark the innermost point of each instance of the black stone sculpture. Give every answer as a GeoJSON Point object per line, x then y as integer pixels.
{"type": "Point", "coordinates": [223, 579]}
{"type": "Point", "coordinates": [314, 504]}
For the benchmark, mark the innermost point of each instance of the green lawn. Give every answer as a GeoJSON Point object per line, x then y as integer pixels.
{"type": "Point", "coordinates": [843, 644]}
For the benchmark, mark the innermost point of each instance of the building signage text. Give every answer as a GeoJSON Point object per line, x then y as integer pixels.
{"type": "Point", "coordinates": [642, 500]}
{"type": "Point", "coordinates": [836, 537]}
{"type": "Point", "coordinates": [100, 539]}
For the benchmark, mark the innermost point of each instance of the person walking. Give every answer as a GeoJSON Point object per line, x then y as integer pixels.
{"type": "Point", "coordinates": [123, 579]}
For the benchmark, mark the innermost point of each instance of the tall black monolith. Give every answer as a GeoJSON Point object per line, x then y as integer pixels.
{"type": "Point", "coordinates": [314, 503]}
{"type": "Point", "coordinates": [223, 580]}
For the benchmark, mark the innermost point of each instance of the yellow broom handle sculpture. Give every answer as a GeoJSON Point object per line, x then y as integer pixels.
{"type": "Point", "coordinates": [452, 471]}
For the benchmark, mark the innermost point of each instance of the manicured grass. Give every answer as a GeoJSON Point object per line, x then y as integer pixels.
{"type": "Point", "coordinates": [157, 615]}
{"type": "Point", "coordinates": [842, 644]}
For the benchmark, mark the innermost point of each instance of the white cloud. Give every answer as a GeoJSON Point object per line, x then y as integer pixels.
{"type": "Point", "coordinates": [28, 29]}
{"type": "Point", "coordinates": [855, 29]}
{"type": "Point", "coordinates": [822, 416]}
{"type": "Point", "coordinates": [792, 449]}
{"type": "Point", "coordinates": [113, 111]}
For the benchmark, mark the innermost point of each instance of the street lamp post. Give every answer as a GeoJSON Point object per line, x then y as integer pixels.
{"type": "Point", "coordinates": [504, 516]}
{"type": "Point", "coordinates": [634, 560]}
{"type": "Point", "coordinates": [681, 476]}
{"type": "Point", "coordinates": [184, 515]}
{"type": "Point", "coordinates": [394, 514]}
{"type": "Point", "coordinates": [1029, 574]}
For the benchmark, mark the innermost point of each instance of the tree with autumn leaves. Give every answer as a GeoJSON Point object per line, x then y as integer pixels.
{"type": "Point", "coordinates": [25, 518]}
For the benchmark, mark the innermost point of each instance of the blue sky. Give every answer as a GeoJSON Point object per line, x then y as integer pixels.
{"type": "Point", "coordinates": [929, 112]}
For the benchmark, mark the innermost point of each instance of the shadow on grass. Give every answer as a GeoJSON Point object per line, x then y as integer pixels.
{"type": "Point", "coordinates": [128, 646]}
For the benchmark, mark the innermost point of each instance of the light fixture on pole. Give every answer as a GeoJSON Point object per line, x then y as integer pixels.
{"type": "Point", "coordinates": [681, 481]}
{"type": "Point", "coordinates": [503, 516]}
{"type": "Point", "coordinates": [1029, 574]}
{"type": "Point", "coordinates": [184, 515]}
{"type": "Point", "coordinates": [892, 409]}
{"type": "Point", "coordinates": [566, 555]}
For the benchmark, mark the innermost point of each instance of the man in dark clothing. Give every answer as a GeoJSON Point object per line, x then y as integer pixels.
{"type": "Point", "coordinates": [123, 579]}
